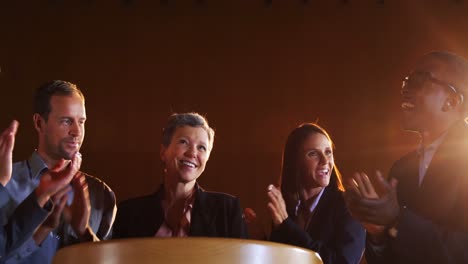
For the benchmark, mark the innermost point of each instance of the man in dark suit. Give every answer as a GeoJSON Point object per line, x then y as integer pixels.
{"type": "Point", "coordinates": [421, 214]}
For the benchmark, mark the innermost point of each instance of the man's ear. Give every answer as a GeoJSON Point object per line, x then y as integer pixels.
{"type": "Point", "coordinates": [453, 101]}
{"type": "Point", "coordinates": [39, 122]}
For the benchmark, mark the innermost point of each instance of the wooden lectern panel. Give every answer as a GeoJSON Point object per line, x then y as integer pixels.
{"type": "Point", "coordinates": [193, 250]}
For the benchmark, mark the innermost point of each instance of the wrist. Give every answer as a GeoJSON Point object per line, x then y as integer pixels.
{"type": "Point", "coordinates": [4, 180]}
{"type": "Point", "coordinates": [41, 234]}
{"type": "Point", "coordinates": [392, 230]}
{"type": "Point", "coordinates": [41, 198]}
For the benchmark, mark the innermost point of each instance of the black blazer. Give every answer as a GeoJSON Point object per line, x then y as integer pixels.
{"type": "Point", "coordinates": [213, 215]}
{"type": "Point", "coordinates": [433, 226]}
{"type": "Point", "coordinates": [332, 232]}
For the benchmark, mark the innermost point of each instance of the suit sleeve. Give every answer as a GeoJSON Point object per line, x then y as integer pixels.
{"type": "Point", "coordinates": [19, 228]}
{"type": "Point", "coordinates": [108, 215]}
{"type": "Point", "coordinates": [238, 225]}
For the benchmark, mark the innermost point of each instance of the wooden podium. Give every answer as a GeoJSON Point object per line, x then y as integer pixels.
{"type": "Point", "coordinates": [193, 250]}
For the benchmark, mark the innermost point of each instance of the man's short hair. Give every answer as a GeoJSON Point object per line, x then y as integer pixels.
{"type": "Point", "coordinates": [45, 92]}
{"type": "Point", "coordinates": [457, 66]}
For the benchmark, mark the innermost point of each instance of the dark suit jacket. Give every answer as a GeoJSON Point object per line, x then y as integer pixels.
{"type": "Point", "coordinates": [433, 226]}
{"type": "Point", "coordinates": [333, 233]}
{"type": "Point", "coordinates": [213, 215]}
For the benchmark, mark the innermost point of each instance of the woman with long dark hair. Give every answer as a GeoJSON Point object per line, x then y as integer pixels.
{"type": "Point", "coordinates": [308, 210]}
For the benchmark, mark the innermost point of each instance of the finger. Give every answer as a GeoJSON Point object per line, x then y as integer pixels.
{"type": "Point", "coordinates": [351, 189]}
{"type": "Point", "coordinates": [382, 186]}
{"type": "Point", "coordinates": [65, 176]}
{"type": "Point", "coordinates": [10, 130]}
{"type": "Point", "coordinates": [58, 166]}
{"type": "Point", "coordinates": [74, 167]}
{"type": "Point", "coordinates": [59, 204]}
{"type": "Point", "coordinates": [275, 193]}
{"type": "Point", "coordinates": [358, 177]}
{"type": "Point", "coordinates": [4, 139]}
{"type": "Point", "coordinates": [350, 183]}
{"type": "Point", "coordinates": [368, 186]}
{"type": "Point", "coordinates": [277, 200]}
{"type": "Point", "coordinates": [11, 135]}
{"type": "Point", "coordinates": [67, 213]}
{"type": "Point", "coordinates": [76, 163]}
{"type": "Point", "coordinates": [60, 193]}
{"type": "Point", "coordinates": [271, 188]}
{"type": "Point", "coordinates": [352, 196]}
{"type": "Point", "coordinates": [275, 215]}
{"type": "Point", "coordinates": [273, 199]}
{"type": "Point", "coordinates": [393, 183]}
{"type": "Point", "coordinates": [63, 200]}
{"type": "Point", "coordinates": [79, 182]}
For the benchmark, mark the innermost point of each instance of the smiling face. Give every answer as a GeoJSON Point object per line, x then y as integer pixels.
{"type": "Point", "coordinates": [316, 161]}
{"type": "Point", "coordinates": [61, 135]}
{"type": "Point", "coordinates": [186, 156]}
{"type": "Point", "coordinates": [428, 96]}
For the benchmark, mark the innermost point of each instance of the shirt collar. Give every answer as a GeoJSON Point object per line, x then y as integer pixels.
{"type": "Point", "coordinates": [36, 165]}
{"type": "Point", "coordinates": [313, 205]}
{"type": "Point", "coordinates": [431, 147]}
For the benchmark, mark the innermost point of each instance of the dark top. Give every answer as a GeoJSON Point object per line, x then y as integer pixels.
{"type": "Point", "coordinates": [332, 232]}
{"type": "Point", "coordinates": [433, 226]}
{"type": "Point", "coordinates": [213, 215]}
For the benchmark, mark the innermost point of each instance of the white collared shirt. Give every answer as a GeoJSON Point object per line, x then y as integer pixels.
{"type": "Point", "coordinates": [426, 154]}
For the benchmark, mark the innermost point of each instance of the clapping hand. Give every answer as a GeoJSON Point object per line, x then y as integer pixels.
{"type": "Point", "coordinates": [55, 185]}
{"type": "Point", "coordinates": [373, 201]}
{"type": "Point", "coordinates": [7, 143]}
{"type": "Point", "coordinates": [276, 205]}
{"type": "Point", "coordinates": [77, 214]}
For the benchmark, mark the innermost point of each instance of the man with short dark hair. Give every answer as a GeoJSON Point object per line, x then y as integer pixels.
{"type": "Point", "coordinates": [83, 211]}
{"type": "Point", "coordinates": [33, 210]}
{"type": "Point", "coordinates": [421, 214]}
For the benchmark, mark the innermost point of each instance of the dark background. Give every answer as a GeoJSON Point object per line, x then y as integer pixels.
{"type": "Point", "coordinates": [255, 70]}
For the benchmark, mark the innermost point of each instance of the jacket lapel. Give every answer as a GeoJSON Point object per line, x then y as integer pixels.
{"type": "Point", "coordinates": [407, 174]}
{"type": "Point", "coordinates": [444, 175]}
{"type": "Point", "coordinates": [153, 218]}
{"type": "Point", "coordinates": [200, 224]}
